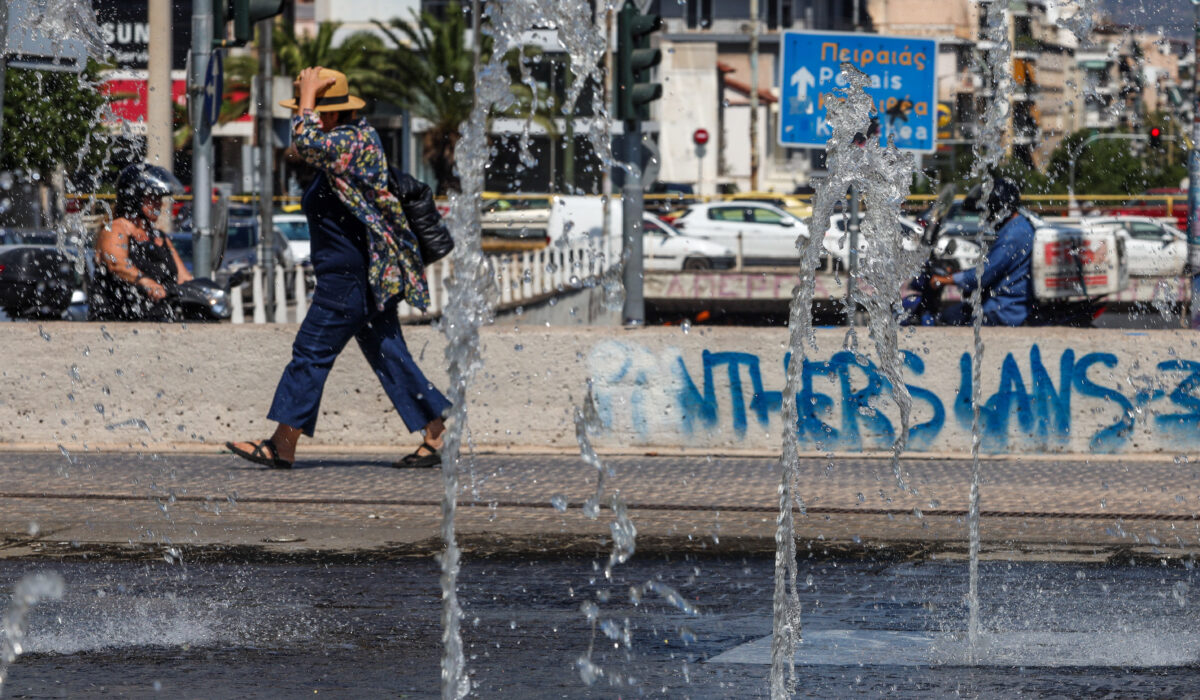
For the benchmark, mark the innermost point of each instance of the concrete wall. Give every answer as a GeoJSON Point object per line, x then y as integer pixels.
{"type": "Point", "coordinates": [659, 389]}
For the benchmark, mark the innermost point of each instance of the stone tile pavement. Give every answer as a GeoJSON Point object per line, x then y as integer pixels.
{"type": "Point", "coordinates": [55, 503]}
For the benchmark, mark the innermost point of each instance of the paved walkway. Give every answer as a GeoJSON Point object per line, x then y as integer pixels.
{"type": "Point", "coordinates": [52, 503]}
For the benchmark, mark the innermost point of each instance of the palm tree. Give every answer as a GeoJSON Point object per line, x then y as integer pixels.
{"type": "Point", "coordinates": [431, 73]}
{"type": "Point", "coordinates": [358, 56]}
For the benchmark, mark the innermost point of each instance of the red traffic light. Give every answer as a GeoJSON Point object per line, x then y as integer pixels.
{"type": "Point", "coordinates": [1155, 132]}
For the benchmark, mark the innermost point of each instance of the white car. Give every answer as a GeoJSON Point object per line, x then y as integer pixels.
{"type": "Point", "coordinates": [1152, 248]}
{"type": "Point", "coordinates": [294, 228]}
{"type": "Point", "coordinates": [579, 220]}
{"type": "Point", "coordinates": [665, 249]}
{"type": "Point", "coordinates": [768, 234]}
{"type": "Point", "coordinates": [837, 239]}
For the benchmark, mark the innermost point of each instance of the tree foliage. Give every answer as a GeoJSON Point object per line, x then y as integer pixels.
{"type": "Point", "coordinates": [53, 119]}
{"type": "Point", "coordinates": [432, 74]}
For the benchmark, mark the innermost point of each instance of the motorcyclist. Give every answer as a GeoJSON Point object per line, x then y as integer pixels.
{"type": "Point", "coordinates": [135, 262]}
{"type": "Point", "coordinates": [1007, 285]}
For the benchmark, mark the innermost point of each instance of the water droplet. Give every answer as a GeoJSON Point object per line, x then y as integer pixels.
{"type": "Point", "coordinates": [560, 503]}
{"type": "Point", "coordinates": [44, 334]}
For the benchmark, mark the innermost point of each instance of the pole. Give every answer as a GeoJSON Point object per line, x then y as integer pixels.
{"type": "Point", "coordinates": [266, 148]}
{"type": "Point", "coordinates": [201, 141]}
{"type": "Point", "coordinates": [606, 99]}
{"type": "Point", "coordinates": [753, 95]}
{"type": "Point", "coordinates": [631, 230]}
{"type": "Point", "coordinates": [852, 226]}
{"type": "Point", "coordinates": [160, 148]}
{"type": "Point", "coordinates": [1072, 207]}
{"type": "Point", "coordinates": [1194, 179]}
{"type": "Point", "coordinates": [3, 60]}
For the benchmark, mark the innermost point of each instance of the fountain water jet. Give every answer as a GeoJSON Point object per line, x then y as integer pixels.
{"type": "Point", "coordinates": [30, 590]}
{"type": "Point", "coordinates": [989, 149]}
{"type": "Point", "coordinates": [883, 174]}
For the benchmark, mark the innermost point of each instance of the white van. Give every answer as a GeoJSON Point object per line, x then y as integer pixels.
{"type": "Point", "coordinates": [578, 220]}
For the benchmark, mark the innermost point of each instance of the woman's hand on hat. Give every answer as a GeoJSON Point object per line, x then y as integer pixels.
{"type": "Point", "coordinates": [311, 84]}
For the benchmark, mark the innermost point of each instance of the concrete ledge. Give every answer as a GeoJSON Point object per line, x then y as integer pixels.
{"type": "Point", "coordinates": [711, 390]}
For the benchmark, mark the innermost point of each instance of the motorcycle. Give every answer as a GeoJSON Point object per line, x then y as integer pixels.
{"type": "Point", "coordinates": [202, 299]}
{"type": "Point", "coordinates": [923, 302]}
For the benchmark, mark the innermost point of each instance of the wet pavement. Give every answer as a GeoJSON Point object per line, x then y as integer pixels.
{"type": "Point", "coordinates": [371, 629]}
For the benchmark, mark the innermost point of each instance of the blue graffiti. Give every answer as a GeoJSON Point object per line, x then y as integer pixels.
{"type": "Point", "coordinates": [840, 399]}
{"type": "Point", "coordinates": [859, 418]}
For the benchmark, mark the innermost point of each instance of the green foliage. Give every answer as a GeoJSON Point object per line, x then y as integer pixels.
{"type": "Point", "coordinates": [52, 119]}
{"type": "Point", "coordinates": [1111, 166]}
{"type": "Point", "coordinates": [360, 56]}
{"type": "Point", "coordinates": [432, 75]}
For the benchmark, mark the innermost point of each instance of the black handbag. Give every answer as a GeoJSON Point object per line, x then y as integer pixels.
{"type": "Point", "coordinates": [416, 198]}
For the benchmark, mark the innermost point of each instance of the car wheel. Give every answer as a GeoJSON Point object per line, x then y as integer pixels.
{"type": "Point", "coordinates": [697, 264]}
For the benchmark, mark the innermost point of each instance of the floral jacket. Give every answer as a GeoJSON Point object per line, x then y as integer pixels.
{"type": "Point", "coordinates": [351, 156]}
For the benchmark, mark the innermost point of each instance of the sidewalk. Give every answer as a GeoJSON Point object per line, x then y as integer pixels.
{"type": "Point", "coordinates": [217, 506]}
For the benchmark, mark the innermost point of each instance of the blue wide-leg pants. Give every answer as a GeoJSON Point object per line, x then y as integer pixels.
{"type": "Point", "coordinates": [340, 311]}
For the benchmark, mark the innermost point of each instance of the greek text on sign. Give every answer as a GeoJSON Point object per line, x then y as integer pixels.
{"type": "Point", "coordinates": [902, 72]}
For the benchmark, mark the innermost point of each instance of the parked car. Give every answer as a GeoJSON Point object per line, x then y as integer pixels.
{"type": "Point", "coordinates": [837, 239]}
{"type": "Point", "coordinates": [515, 218]}
{"type": "Point", "coordinates": [958, 222]}
{"type": "Point", "coordinates": [664, 248]}
{"type": "Point", "coordinates": [241, 249]}
{"type": "Point", "coordinates": [1153, 248]}
{"type": "Point", "coordinates": [37, 278]}
{"type": "Point", "coordinates": [768, 234]}
{"type": "Point", "coordinates": [294, 229]}
{"type": "Point", "coordinates": [1156, 208]}
{"type": "Point", "coordinates": [791, 204]}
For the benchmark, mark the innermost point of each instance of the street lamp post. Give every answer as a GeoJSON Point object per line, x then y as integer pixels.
{"type": "Point", "coordinates": [1194, 178]}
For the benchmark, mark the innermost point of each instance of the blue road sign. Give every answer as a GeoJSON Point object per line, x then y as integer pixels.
{"type": "Point", "coordinates": [902, 72]}
{"type": "Point", "coordinates": [214, 88]}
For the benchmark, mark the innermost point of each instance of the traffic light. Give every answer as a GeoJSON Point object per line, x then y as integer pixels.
{"type": "Point", "coordinates": [1155, 137]}
{"type": "Point", "coordinates": [635, 58]}
{"type": "Point", "coordinates": [244, 14]}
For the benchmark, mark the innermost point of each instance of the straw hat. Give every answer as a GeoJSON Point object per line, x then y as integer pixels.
{"type": "Point", "coordinates": [335, 98]}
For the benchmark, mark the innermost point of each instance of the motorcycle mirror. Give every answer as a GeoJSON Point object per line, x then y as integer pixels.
{"type": "Point", "coordinates": [236, 279]}
{"type": "Point", "coordinates": [941, 207]}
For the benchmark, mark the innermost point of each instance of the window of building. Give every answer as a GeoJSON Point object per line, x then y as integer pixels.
{"type": "Point", "coordinates": [781, 14]}
{"type": "Point", "coordinates": [699, 14]}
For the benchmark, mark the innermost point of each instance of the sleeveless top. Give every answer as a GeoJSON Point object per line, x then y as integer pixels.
{"type": "Point", "coordinates": [111, 298]}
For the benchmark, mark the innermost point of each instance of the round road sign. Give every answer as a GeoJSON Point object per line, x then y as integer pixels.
{"type": "Point", "coordinates": [700, 136]}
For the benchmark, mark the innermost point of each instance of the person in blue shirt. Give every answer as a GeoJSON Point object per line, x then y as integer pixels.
{"type": "Point", "coordinates": [1007, 285]}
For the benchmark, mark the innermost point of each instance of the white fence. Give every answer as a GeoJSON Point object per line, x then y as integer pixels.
{"type": "Point", "coordinates": [521, 278]}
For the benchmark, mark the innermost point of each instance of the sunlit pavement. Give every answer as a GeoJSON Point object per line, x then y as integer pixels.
{"type": "Point", "coordinates": [532, 505]}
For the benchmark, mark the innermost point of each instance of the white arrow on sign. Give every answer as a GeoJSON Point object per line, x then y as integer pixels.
{"type": "Point", "coordinates": [804, 79]}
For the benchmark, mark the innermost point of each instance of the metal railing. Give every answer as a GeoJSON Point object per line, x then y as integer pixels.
{"type": "Point", "coordinates": [527, 277]}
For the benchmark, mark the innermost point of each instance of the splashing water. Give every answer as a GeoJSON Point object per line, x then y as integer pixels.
{"type": "Point", "coordinates": [472, 294]}
{"type": "Point", "coordinates": [624, 532]}
{"type": "Point", "coordinates": [989, 149]}
{"type": "Point", "coordinates": [29, 591]}
{"type": "Point", "coordinates": [883, 175]}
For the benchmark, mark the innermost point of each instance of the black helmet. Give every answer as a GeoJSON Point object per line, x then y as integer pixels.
{"type": "Point", "coordinates": [1003, 200]}
{"type": "Point", "coordinates": [141, 180]}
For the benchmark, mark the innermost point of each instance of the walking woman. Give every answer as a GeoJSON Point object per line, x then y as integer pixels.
{"type": "Point", "coordinates": [366, 260]}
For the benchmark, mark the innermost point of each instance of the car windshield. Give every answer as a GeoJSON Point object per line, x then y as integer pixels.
{"type": "Point", "coordinates": [293, 230]}
{"type": "Point", "coordinates": [241, 236]}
